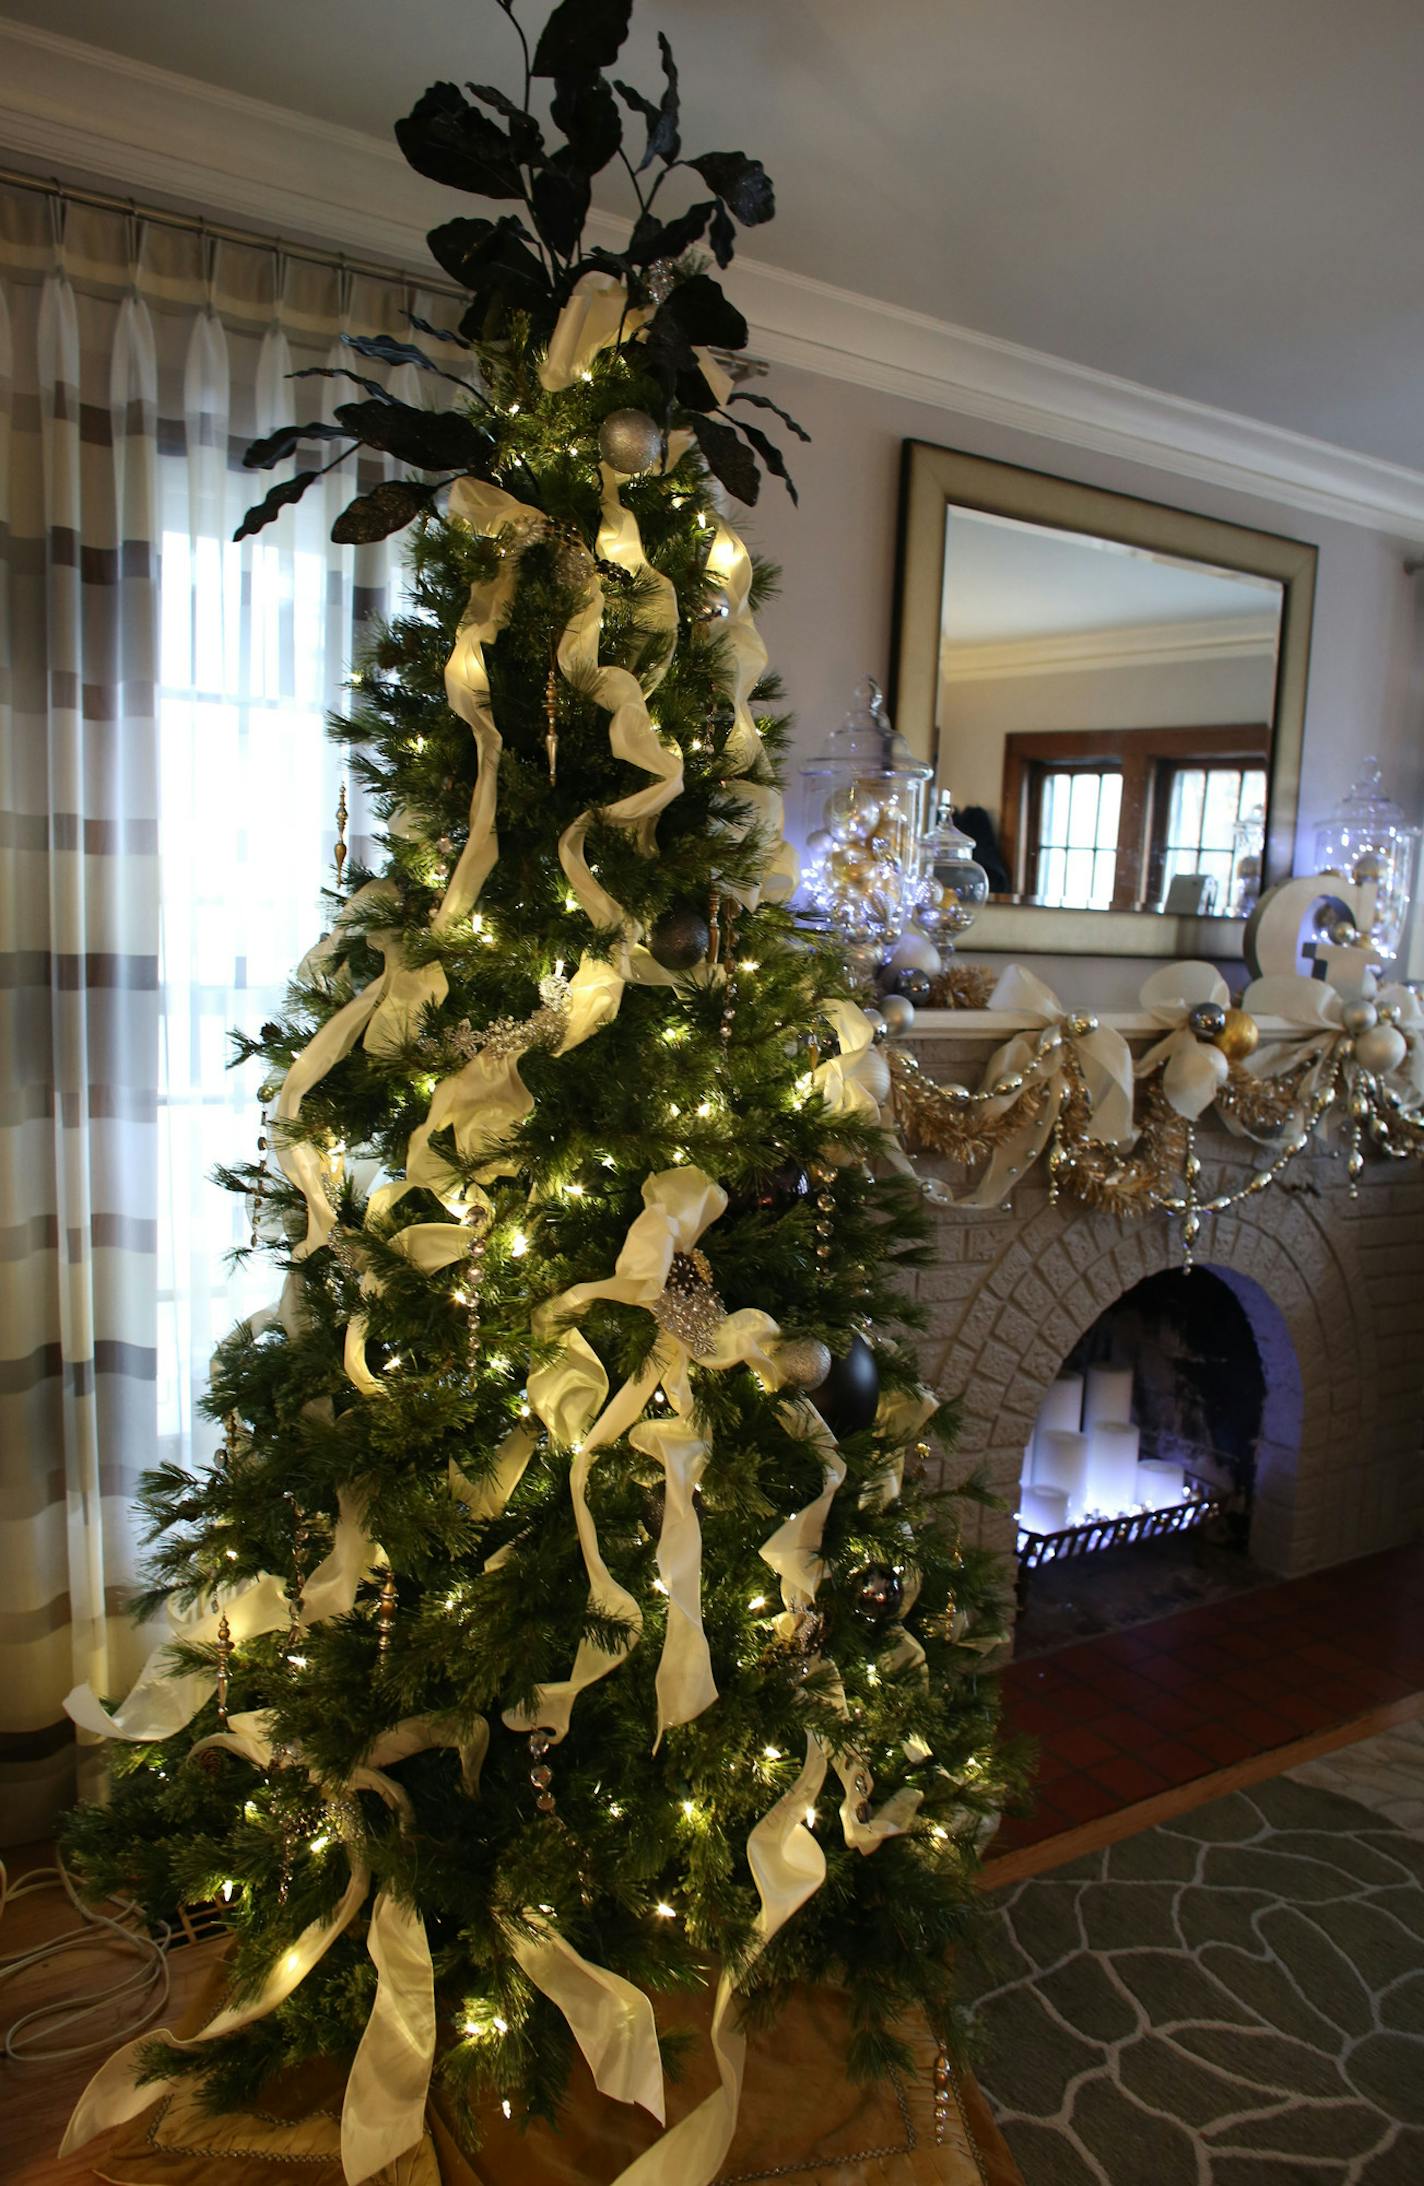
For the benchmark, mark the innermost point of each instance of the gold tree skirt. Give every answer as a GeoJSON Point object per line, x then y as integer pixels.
{"type": "Point", "coordinates": [799, 2120]}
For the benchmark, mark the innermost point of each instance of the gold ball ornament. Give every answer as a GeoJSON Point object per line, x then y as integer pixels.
{"type": "Point", "coordinates": [1238, 1035]}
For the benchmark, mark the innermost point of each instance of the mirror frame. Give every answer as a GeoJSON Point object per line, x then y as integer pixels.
{"type": "Point", "coordinates": [932, 479]}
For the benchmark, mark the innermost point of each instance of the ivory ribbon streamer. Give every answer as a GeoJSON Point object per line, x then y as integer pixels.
{"type": "Point", "coordinates": [899, 1416]}
{"type": "Point", "coordinates": [592, 319]}
{"type": "Point", "coordinates": [611, 2020]}
{"type": "Point", "coordinates": [1193, 1070]}
{"type": "Point", "coordinates": [383, 2112]}
{"type": "Point", "coordinates": [1103, 1057]}
{"type": "Point", "coordinates": [489, 511]}
{"type": "Point", "coordinates": [570, 1396]}
{"type": "Point", "coordinates": [730, 564]}
{"type": "Point", "coordinates": [160, 1703]}
{"type": "Point", "coordinates": [631, 734]}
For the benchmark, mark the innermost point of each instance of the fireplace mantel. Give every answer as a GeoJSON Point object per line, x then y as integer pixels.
{"type": "Point", "coordinates": [1333, 1286]}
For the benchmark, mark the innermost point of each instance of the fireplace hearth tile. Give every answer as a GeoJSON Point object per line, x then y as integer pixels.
{"type": "Point", "coordinates": [1080, 1747]}
{"type": "Point", "coordinates": [1129, 1777]}
{"type": "Point", "coordinates": [1176, 1760]}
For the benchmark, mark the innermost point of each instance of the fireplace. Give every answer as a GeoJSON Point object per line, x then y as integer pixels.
{"type": "Point", "coordinates": [1309, 1299]}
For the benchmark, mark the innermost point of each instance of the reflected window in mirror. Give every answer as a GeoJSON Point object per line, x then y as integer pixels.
{"type": "Point", "coordinates": [1204, 832]}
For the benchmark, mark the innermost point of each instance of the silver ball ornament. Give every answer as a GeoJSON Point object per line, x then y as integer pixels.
{"type": "Point", "coordinates": [630, 441]}
{"type": "Point", "coordinates": [864, 958]}
{"type": "Point", "coordinates": [1358, 1017]}
{"type": "Point", "coordinates": [1080, 1024]}
{"type": "Point", "coordinates": [1381, 1049]}
{"type": "Point", "coordinates": [898, 1012]}
{"type": "Point", "coordinates": [879, 1025]}
{"type": "Point", "coordinates": [1207, 1020]}
{"type": "Point", "coordinates": [803, 1362]}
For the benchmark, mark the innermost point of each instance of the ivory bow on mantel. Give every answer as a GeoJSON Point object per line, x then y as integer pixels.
{"type": "Point", "coordinates": [1104, 1062]}
{"type": "Point", "coordinates": [1193, 1070]}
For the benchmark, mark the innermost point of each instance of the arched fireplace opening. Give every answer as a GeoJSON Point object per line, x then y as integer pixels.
{"type": "Point", "coordinates": [1141, 1480]}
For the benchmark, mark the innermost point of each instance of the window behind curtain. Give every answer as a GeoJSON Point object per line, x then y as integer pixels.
{"type": "Point", "coordinates": [257, 646]}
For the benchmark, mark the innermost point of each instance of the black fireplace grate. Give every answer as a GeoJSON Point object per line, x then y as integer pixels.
{"type": "Point", "coordinates": [1198, 1507]}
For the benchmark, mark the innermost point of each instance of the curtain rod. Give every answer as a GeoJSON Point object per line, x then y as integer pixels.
{"type": "Point", "coordinates": [195, 224]}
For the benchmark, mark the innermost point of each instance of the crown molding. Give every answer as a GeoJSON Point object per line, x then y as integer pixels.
{"type": "Point", "coordinates": [1137, 645]}
{"type": "Point", "coordinates": [76, 109]}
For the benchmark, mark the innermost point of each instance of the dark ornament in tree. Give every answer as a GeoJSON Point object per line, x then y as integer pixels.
{"type": "Point", "coordinates": [878, 1593]}
{"type": "Point", "coordinates": [778, 1189]}
{"type": "Point", "coordinates": [680, 938]}
{"type": "Point", "coordinates": [848, 1397]}
{"type": "Point", "coordinates": [907, 980]}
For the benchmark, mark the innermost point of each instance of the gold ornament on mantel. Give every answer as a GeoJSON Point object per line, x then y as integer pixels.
{"type": "Point", "coordinates": [1238, 1036]}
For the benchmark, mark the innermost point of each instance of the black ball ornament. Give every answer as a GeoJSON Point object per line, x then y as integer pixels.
{"type": "Point", "coordinates": [909, 981]}
{"type": "Point", "coordinates": [848, 1397]}
{"type": "Point", "coordinates": [781, 1187]}
{"type": "Point", "coordinates": [878, 1593]}
{"type": "Point", "coordinates": [680, 938]}
{"type": "Point", "coordinates": [1207, 1020]}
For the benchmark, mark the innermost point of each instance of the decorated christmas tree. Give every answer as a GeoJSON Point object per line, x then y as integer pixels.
{"type": "Point", "coordinates": [571, 1615]}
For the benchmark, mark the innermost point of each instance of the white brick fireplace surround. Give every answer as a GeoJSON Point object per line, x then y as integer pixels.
{"type": "Point", "coordinates": [1333, 1289]}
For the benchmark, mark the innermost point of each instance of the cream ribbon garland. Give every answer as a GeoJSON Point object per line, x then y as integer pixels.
{"type": "Point", "coordinates": [161, 1703]}
{"type": "Point", "coordinates": [1193, 1070]}
{"type": "Point", "coordinates": [623, 695]}
{"type": "Point", "coordinates": [730, 565]}
{"type": "Point", "coordinates": [383, 2111]}
{"type": "Point", "coordinates": [1103, 1058]}
{"type": "Point", "coordinates": [570, 1397]}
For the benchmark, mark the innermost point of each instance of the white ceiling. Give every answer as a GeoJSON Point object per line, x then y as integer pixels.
{"type": "Point", "coordinates": [1006, 581]}
{"type": "Point", "coordinates": [1219, 200]}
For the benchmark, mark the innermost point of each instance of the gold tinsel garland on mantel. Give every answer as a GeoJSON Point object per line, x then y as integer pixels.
{"type": "Point", "coordinates": [1324, 1092]}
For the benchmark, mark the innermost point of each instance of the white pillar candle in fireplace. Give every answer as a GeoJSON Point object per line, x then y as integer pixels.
{"type": "Point", "coordinates": [1043, 1510]}
{"type": "Point", "coordinates": [1061, 1461]}
{"type": "Point", "coordinates": [1159, 1483]}
{"type": "Point", "coordinates": [1112, 1466]}
{"type": "Point", "coordinates": [1062, 1404]}
{"type": "Point", "coordinates": [1107, 1401]}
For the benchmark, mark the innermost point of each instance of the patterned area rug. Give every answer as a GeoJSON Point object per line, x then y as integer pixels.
{"type": "Point", "coordinates": [1235, 1998]}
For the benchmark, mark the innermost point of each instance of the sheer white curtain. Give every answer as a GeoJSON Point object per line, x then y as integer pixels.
{"type": "Point", "coordinates": [167, 803]}
{"type": "Point", "coordinates": [256, 647]}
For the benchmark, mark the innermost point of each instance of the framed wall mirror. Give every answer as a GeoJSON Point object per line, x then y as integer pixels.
{"type": "Point", "coordinates": [1114, 692]}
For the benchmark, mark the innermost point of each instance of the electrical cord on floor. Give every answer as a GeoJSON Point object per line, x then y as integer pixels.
{"type": "Point", "coordinates": [34, 2035]}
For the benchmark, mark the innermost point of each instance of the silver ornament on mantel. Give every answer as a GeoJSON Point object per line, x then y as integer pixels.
{"type": "Point", "coordinates": [1207, 1020]}
{"type": "Point", "coordinates": [898, 1012]}
{"type": "Point", "coordinates": [803, 1362]}
{"type": "Point", "coordinates": [630, 441]}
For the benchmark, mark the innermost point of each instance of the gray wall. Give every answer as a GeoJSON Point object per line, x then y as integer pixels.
{"type": "Point", "coordinates": [831, 623]}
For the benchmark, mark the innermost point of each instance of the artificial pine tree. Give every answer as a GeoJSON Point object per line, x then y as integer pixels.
{"type": "Point", "coordinates": [562, 1544]}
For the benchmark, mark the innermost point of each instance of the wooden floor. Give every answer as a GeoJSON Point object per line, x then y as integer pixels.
{"type": "Point", "coordinates": [36, 2098]}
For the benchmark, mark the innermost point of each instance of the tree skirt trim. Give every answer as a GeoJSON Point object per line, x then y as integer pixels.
{"type": "Point", "coordinates": [800, 2120]}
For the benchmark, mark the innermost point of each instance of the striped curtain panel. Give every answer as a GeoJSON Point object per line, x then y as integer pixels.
{"type": "Point", "coordinates": [167, 802]}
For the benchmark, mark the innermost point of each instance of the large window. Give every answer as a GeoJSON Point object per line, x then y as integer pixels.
{"type": "Point", "coordinates": [1108, 820]}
